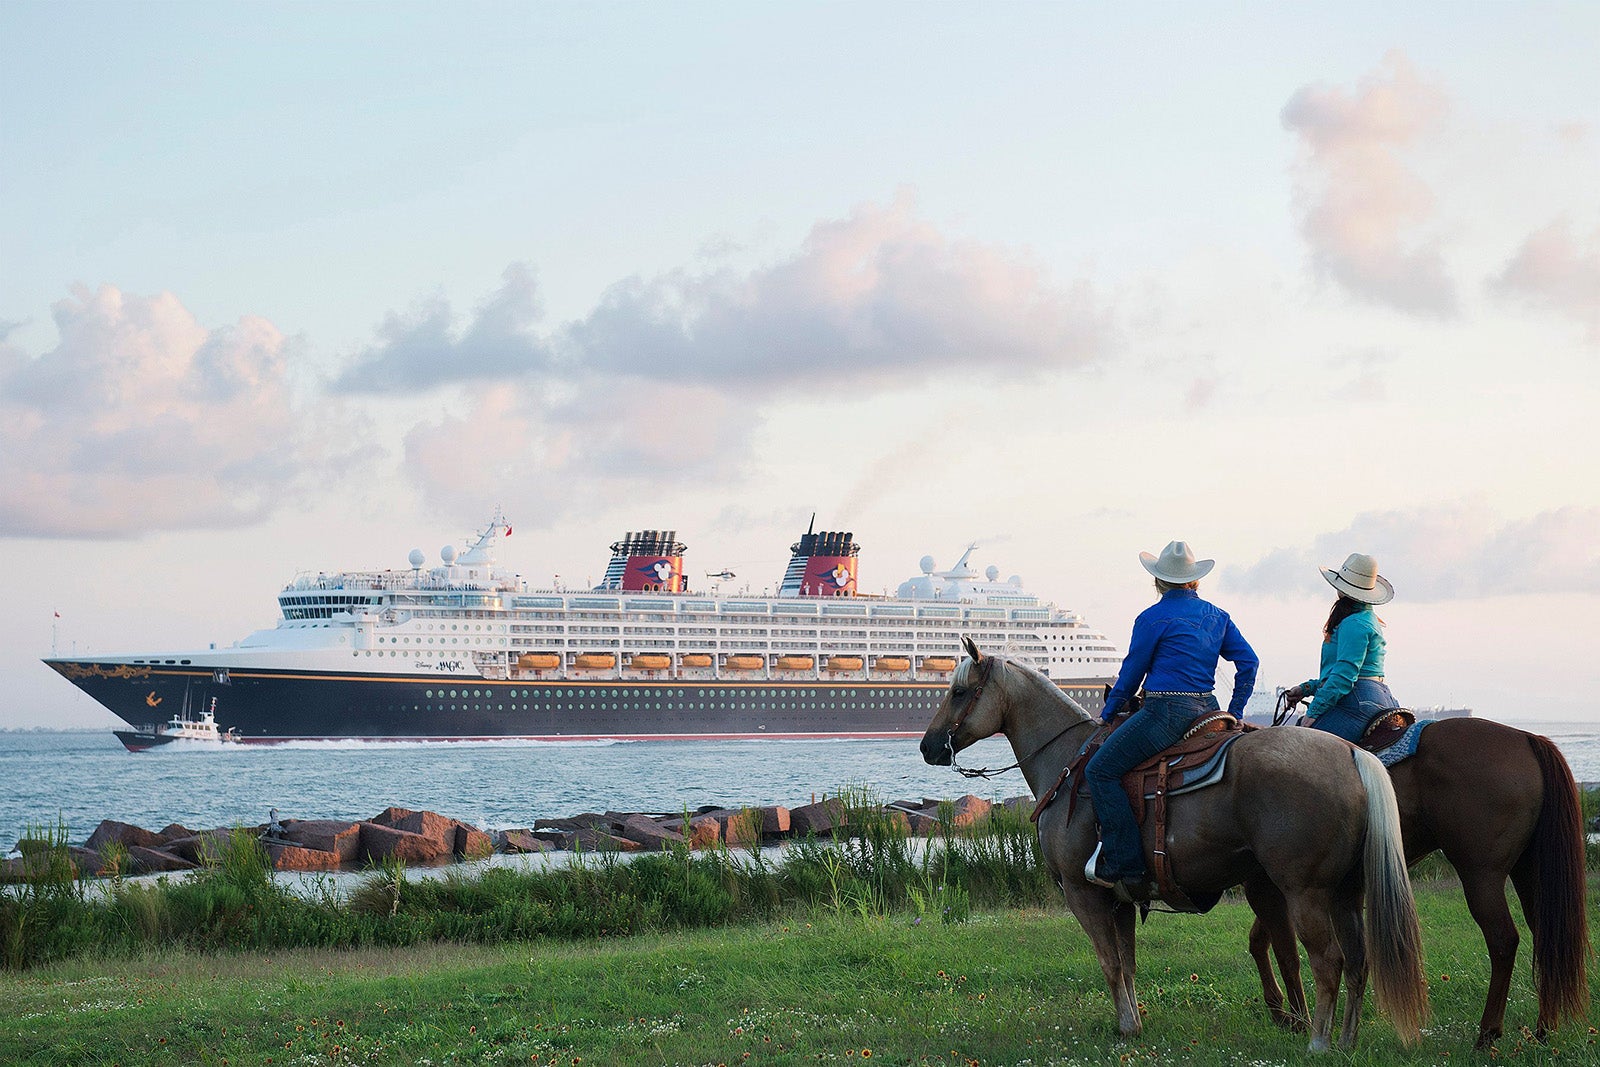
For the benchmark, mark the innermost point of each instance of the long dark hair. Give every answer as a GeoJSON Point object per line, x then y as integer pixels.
{"type": "Point", "coordinates": [1343, 608]}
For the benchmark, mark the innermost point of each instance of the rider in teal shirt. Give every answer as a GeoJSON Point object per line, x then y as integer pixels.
{"type": "Point", "coordinates": [1349, 691]}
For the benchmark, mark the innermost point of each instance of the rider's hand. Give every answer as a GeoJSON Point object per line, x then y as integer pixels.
{"type": "Point", "coordinates": [1294, 696]}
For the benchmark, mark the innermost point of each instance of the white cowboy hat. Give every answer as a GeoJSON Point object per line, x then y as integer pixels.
{"type": "Point", "coordinates": [1359, 580]}
{"type": "Point", "coordinates": [1177, 564]}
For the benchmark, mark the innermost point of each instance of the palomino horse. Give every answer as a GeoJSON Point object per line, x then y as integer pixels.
{"type": "Point", "coordinates": [1499, 803]}
{"type": "Point", "coordinates": [1293, 807]}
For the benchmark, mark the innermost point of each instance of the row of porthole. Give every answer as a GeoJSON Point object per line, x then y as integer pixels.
{"type": "Point", "coordinates": [691, 706]}
{"type": "Point", "coordinates": [747, 693]}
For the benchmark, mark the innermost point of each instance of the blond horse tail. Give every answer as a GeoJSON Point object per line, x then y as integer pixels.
{"type": "Point", "coordinates": [1393, 936]}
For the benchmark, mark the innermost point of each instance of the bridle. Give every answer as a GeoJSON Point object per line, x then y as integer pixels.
{"type": "Point", "coordinates": [985, 671]}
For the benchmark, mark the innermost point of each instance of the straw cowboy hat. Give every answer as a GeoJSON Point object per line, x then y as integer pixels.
{"type": "Point", "coordinates": [1359, 580]}
{"type": "Point", "coordinates": [1177, 564]}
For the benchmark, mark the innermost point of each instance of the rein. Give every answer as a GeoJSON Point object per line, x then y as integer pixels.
{"type": "Point", "coordinates": [985, 669]}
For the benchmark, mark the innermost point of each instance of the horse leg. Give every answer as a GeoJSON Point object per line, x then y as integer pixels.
{"type": "Point", "coordinates": [1486, 900]}
{"type": "Point", "coordinates": [1102, 919]}
{"type": "Point", "coordinates": [1525, 878]}
{"type": "Point", "coordinates": [1309, 912]}
{"type": "Point", "coordinates": [1273, 930]}
{"type": "Point", "coordinates": [1123, 914]}
{"type": "Point", "coordinates": [1347, 930]}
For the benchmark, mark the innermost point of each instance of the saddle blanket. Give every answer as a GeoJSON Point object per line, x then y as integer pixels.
{"type": "Point", "coordinates": [1405, 747]}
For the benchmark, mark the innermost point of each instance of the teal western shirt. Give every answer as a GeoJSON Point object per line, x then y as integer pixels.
{"type": "Point", "coordinates": [1356, 651]}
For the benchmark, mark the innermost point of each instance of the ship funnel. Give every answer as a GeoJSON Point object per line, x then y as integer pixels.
{"type": "Point", "coordinates": [649, 561]}
{"type": "Point", "coordinates": [821, 564]}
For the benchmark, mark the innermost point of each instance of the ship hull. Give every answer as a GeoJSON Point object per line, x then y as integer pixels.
{"type": "Point", "coordinates": [275, 706]}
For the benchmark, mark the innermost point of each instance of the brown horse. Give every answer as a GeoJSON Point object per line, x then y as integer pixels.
{"type": "Point", "coordinates": [1499, 803]}
{"type": "Point", "coordinates": [1293, 810]}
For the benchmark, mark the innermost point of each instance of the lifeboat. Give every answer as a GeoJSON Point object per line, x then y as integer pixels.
{"type": "Point", "coordinates": [941, 664]}
{"type": "Point", "coordinates": [696, 659]}
{"type": "Point", "coordinates": [844, 663]}
{"type": "Point", "coordinates": [745, 663]}
{"type": "Point", "coordinates": [796, 663]}
{"type": "Point", "coordinates": [650, 661]}
{"type": "Point", "coordinates": [538, 661]}
{"type": "Point", "coordinates": [891, 663]}
{"type": "Point", "coordinates": [591, 661]}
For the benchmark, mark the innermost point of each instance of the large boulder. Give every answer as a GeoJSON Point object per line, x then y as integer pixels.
{"type": "Point", "coordinates": [205, 847]}
{"type": "Point", "coordinates": [380, 842]}
{"type": "Point", "coordinates": [424, 823]}
{"type": "Point", "coordinates": [156, 861]}
{"type": "Point", "coordinates": [336, 836]}
{"type": "Point", "coordinates": [705, 831]}
{"type": "Point", "coordinates": [521, 841]}
{"type": "Point", "coordinates": [600, 841]}
{"type": "Point", "coordinates": [587, 821]}
{"type": "Point", "coordinates": [125, 834]}
{"type": "Point", "coordinates": [471, 843]}
{"type": "Point", "coordinates": [821, 818]}
{"type": "Point", "coordinates": [649, 833]}
{"type": "Point", "coordinates": [295, 858]}
{"type": "Point", "coordinates": [970, 809]}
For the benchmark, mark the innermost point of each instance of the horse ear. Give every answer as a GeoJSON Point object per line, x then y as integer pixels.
{"type": "Point", "coordinates": [972, 650]}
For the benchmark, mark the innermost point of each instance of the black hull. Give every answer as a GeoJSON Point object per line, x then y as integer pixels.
{"type": "Point", "coordinates": [139, 740]}
{"type": "Point", "coordinates": [276, 706]}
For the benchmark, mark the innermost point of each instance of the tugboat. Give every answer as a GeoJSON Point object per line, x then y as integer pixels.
{"type": "Point", "coordinates": [179, 728]}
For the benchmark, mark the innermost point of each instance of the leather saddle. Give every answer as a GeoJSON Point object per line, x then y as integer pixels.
{"type": "Point", "coordinates": [1197, 760]}
{"type": "Point", "coordinates": [1389, 727]}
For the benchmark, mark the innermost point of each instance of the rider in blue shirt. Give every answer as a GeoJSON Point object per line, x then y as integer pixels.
{"type": "Point", "coordinates": [1173, 653]}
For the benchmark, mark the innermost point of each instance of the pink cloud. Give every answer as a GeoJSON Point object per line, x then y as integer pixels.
{"type": "Point", "coordinates": [142, 419]}
{"type": "Point", "coordinates": [1361, 205]}
{"type": "Point", "coordinates": [1559, 271]}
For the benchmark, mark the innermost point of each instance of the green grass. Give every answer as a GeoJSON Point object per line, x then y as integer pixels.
{"type": "Point", "coordinates": [1008, 987]}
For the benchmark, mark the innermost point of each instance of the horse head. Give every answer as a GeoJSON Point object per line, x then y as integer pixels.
{"type": "Point", "coordinates": [971, 710]}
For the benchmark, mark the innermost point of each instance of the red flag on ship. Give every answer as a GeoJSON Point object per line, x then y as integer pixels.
{"type": "Point", "coordinates": [508, 531]}
{"type": "Point", "coordinates": [58, 614]}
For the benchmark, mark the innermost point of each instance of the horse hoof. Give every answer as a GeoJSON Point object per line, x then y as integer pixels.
{"type": "Point", "coordinates": [1486, 1039]}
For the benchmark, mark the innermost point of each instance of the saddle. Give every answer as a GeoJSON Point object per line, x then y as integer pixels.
{"type": "Point", "coordinates": [1196, 761]}
{"type": "Point", "coordinates": [1389, 727]}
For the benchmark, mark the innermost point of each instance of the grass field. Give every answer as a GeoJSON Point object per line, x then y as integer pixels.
{"type": "Point", "coordinates": [1006, 987]}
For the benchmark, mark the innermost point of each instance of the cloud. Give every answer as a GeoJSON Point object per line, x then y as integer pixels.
{"type": "Point", "coordinates": [666, 380]}
{"type": "Point", "coordinates": [872, 299]}
{"type": "Point", "coordinates": [1559, 271]}
{"type": "Point", "coordinates": [1456, 552]}
{"type": "Point", "coordinates": [1359, 202]}
{"type": "Point", "coordinates": [424, 348]}
{"type": "Point", "coordinates": [142, 419]}
{"type": "Point", "coordinates": [546, 455]}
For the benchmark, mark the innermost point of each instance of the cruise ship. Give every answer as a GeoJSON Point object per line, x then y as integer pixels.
{"type": "Point", "coordinates": [465, 651]}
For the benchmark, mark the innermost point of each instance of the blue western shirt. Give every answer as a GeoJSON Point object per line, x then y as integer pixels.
{"type": "Point", "coordinates": [1174, 649]}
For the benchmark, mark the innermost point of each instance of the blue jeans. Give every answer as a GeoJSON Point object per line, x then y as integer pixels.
{"type": "Point", "coordinates": [1353, 712]}
{"type": "Point", "coordinates": [1160, 723]}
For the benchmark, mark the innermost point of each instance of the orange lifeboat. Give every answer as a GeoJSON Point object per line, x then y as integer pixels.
{"type": "Point", "coordinates": [796, 663]}
{"type": "Point", "coordinates": [745, 663]}
{"type": "Point", "coordinates": [650, 661]}
{"type": "Point", "coordinates": [593, 661]}
{"type": "Point", "coordinates": [844, 663]}
{"type": "Point", "coordinates": [940, 664]}
{"type": "Point", "coordinates": [891, 663]}
{"type": "Point", "coordinates": [538, 661]}
{"type": "Point", "coordinates": [696, 659]}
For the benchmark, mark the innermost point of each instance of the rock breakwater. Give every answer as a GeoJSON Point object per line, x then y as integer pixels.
{"type": "Point", "coordinates": [419, 838]}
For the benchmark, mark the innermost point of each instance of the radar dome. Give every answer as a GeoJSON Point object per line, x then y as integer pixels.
{"type": "Point", "coordinates": [926, 564]}
{"type": "Point", "coordinates": [448, 553]}
{"type": "Point", "coordinates": [1016, 580]}
{"type": "Point", "coordinates": [993, 573]}
{"type": "Point", "coordinates": [417, 558]}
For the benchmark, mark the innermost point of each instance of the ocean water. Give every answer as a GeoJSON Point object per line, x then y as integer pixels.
{"type": "Point", "coordinates": [84, 777]}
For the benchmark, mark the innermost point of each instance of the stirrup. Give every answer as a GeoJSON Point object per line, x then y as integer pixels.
{"type": "Point", "coordinates": [1090, 869]}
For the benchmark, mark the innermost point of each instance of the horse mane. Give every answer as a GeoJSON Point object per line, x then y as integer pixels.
{"type": "Point", "coordinates": [967, 667]}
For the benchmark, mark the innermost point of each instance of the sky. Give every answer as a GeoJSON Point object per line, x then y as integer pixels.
{"type": "Point", "coordinates": [291, 287]}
